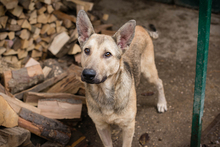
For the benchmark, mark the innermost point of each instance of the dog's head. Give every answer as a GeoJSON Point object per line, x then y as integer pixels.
{"type": "Point", "coordinates": [101, 54]}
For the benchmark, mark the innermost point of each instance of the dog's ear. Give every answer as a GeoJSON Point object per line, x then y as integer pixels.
{"type": "Point", "coordinates": [125, 34]}
{"type": "Point", "coordinates": [84, 27]}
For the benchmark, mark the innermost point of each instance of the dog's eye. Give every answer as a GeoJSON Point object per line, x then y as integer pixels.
{"type": "Point", "coordinates": [87, 50]}
{"type": "Point", "coordinates": [107, 54]}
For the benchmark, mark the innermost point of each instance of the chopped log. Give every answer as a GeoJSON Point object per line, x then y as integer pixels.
{"type": "Point", "coordinates": [26, 25]}
{"type": "Point", "coordinates": [45, 28]}
{"type": "Point", "coordinates": [24, 43]}
{"type": "Point", "coordinates": [3, 90]}
{"type": "Point", "coordinates": [33, 97]}
{"type": "Point", "coordinates": [71, 83]}
{"type": "Point", "coordinates": [75, 49]}
{"type": "Point", "coordinates": [10, 4]}
{"type": "Point", "coordinates": [3, 35]}
{"type": "Point", "coordinates": [2, 50]}
{"type": "Point", "coordinates": [22, 54]}
{"type": "Point", "coordinates": [10, 52]}
{"type": "Point", "coordinates": [58, 42]}
{"type": "Point", "coordinates": [42, 18]}
{"type": "Point", "coordinates": [60, 108]}
{"type": "Point", "coordinates": [20, 21]}
{"type": "Point", "coordinates": [2, 10]}
{"type": "Point", "coordinates": [105, 17]}
{"type": "Point", "coordinates": [17, 44]}
{"type": "Point", "coordinates": [46, 1]}
{"type": "Point", "coordinates": [25, 34]}
{"type": "Point", "coordinates": [17, 11]}
{"type": "Point", "coordinates": [12, 21]}
{"type": "Point", "coordinates": [38, 47]}
{"type": "Point", "coordinates": [8, 44]}
{"type": "Point", "coordinates": [67, 23]}
{"type": "Point", "coordinates": [33, 17]}
{"type": "Point", "coordinates": [51, 31]}
{"type": "Point", "coordinates": [14, 59]}
{"type": "Point", "coordinates": [46, 71]}
{"type": "Point", "coordinates": [78, 58]}
{"type": "Point", "coordinates": [42, 86]}
{"type": "Point", "coordinates": [8, 118]}
{"type": "Point", "coordinates": [25, 3]}
{"type": "Point", "coordinates": [2, 42]}
{"type": "Point", "coordinates": [3, 21]}
{"type": "Point", "coordinates": [36, 53]}
{"type": "Point", "coordinates": [31, 62]}
{"type": "Point", "coordinates": [51, 19]}
{"type": "Point", "coordinates": [38, 25]}
{"type": "Point", "coordinates": [41, 10]}
{"type": "Point", "coordinates": [61, 29]}
{"type": "Point", "coordinates": [17, 104]}
{"type": "Point", "coordinates": [23, 78]}
{"type": "Point", "coordinates": [11, 27]}
{"type": "Point", "coordinates": [63, 16]}
{"type": "Point", "coordinates": [102, 27]}
{"type": "Point", "coordinates": [56, 68]}
{"type": "Point", "coordinates": [16, 136]}
{"type": "Point", "coordinates": [30, 48]}
{"type": "Point", "coordinates": [11, 35]}
{"type": "Point", "coordinates": [55, 131]}
{"type": "Point", "coordinates": [22, 16]}
{"type": "Point", "coordinates": [50, 9]}
{"type": "Point", "coordinates": [87, 5]}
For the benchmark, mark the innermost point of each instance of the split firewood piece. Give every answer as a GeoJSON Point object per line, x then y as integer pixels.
{"type": "Point", "coordinates": [87, 5]}
{"type": "Point", "coordinates": [9, 4]}
{"type": "Point", "coordinates": [10, 52]}
{"type": "Point", "coordinates": [46, 1]}
{"type": "Point", "coordinates": [42, 18]}
{"type": "Point", "coordinates": [25, 3]}
{"type": "Point", "coordinates": [31, 62]}
{"type": "Point", "coordinates": [26, 25]}
{"type": "Point", "coordinates": [33, 17]}
{"type": "Point", "coordinates": [8, 44]}
{"type": "Point", "coordinates": [75, 49]}
{"type": "Point", "coordinates": [38, 125]}
{"type": "Point", "coordinates": [12, 21]}
{"type": "Point", "coordinates": [22, 16]}
{"type": "Point", "coordinates": [45, 28]}
{"type": "Point", "coordinates": [105, 17]}
{"type": "Point", "coordinates": [58, 42]}
{"type": "Point", "coordinates": [46, 71]}
{"type": "Point", "coordinates": [23, 78]}
{"type": "Point", "coordinates": [17, 104]}
{"type": "Point", "coordinates": [3, 35]}
{"type": "Point", "coordinates": [11, 35]}
{"type": "Point", "coordinates": [41, 10]}
{"type": "Point", "coordinates": [25, 34]}
{"type": "Point", "coordinates": [57, 108]}
{"type": "Point", "coordinates": [3, 21]}
{"type": "Point", "coordinates": [16, 136]}
{"type": "Point", "coordinates": [71, 83]}
{"type": "Point", "coordinates": [33, 97]}
{"type": "Point", "coordinates": [79, 7]}
{"type": "Point", "coordinates": [63, 16]}
{"type": "Point", "coordinates": [50, 9]}
{"type": "Point", "coordinates": [2, 10]}
{"type": "Point", "coordinates": [8, 117]}
{"type": "Point", "coordinates": [12, 27]}
{"type": "Point", "coordinates": [22, 54]}
{"type": "Point", "coordinates": [51, 18]}
{"type": "Point", "coordinates": [36, 53]}
{"type": "Point", "coordinates": [17, 11]}
{"type": "Point", "coordinates": [42, 86]}
{"type": "Point", "coordinates": [2, 50]}
{"type": "Point", "coordinates": [78, 58]}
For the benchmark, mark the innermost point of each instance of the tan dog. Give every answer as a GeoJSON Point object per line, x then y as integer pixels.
{"type": "Point", "coordinates": [112, 67]}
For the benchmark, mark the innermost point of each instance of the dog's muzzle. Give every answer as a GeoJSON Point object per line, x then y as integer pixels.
{"type": "Point", "coordinates": [88, 76]}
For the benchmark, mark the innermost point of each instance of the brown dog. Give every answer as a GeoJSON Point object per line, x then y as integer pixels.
{"type": "Point", "coordinates": [112, 67]}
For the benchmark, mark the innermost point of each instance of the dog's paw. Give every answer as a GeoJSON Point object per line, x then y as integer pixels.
{"type": "Point", "coordinates": [162, 107]}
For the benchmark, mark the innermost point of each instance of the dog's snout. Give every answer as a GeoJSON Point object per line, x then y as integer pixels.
{"type": "Point", "coordinates": [88, 74]}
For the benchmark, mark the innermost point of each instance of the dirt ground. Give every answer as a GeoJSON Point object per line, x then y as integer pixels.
{"type": "Point", "coordinates": [175, 55]}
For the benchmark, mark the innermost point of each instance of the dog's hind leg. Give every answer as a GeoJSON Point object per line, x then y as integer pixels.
{"type": "Point", "coordinates": [148, 68]}
{"type": "Point", "coordinates": [105, 135]}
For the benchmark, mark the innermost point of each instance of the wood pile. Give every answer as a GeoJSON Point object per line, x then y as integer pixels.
{"type": "Point", "coordinates": [36, 28]}
{"type": "Point", "coordinates": [40, 70]}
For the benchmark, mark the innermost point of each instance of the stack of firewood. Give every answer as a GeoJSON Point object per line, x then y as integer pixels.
{"type": "Point", "coordinates": [37, 91]}
{"type": "Point", "coordinates": [32, 28]}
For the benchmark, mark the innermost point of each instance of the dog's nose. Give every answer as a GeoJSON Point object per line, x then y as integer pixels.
{"type": "Point", "coordinates": [88, 74]}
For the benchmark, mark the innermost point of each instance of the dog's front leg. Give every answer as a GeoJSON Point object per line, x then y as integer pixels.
{"type": "Point", "coordinates": [105, 135]}
{"type": "Point", "coordinates": [128, 133]}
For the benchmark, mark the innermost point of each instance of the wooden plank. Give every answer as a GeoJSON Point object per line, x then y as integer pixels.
{"type": "Point", "coordinates": [33, 97]}
{"type": "Point", "coordinates": [42, 86]}
{"type": "Point", "coordinates": [8, 118]}
{"type": "Point", "coordinates": [55, 131]}
{"type": "Point", "coordinates": [60, 108]}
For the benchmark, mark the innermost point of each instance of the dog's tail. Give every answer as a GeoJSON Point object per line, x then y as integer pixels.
{"type": "Point", "coordinates": [152, 32]}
